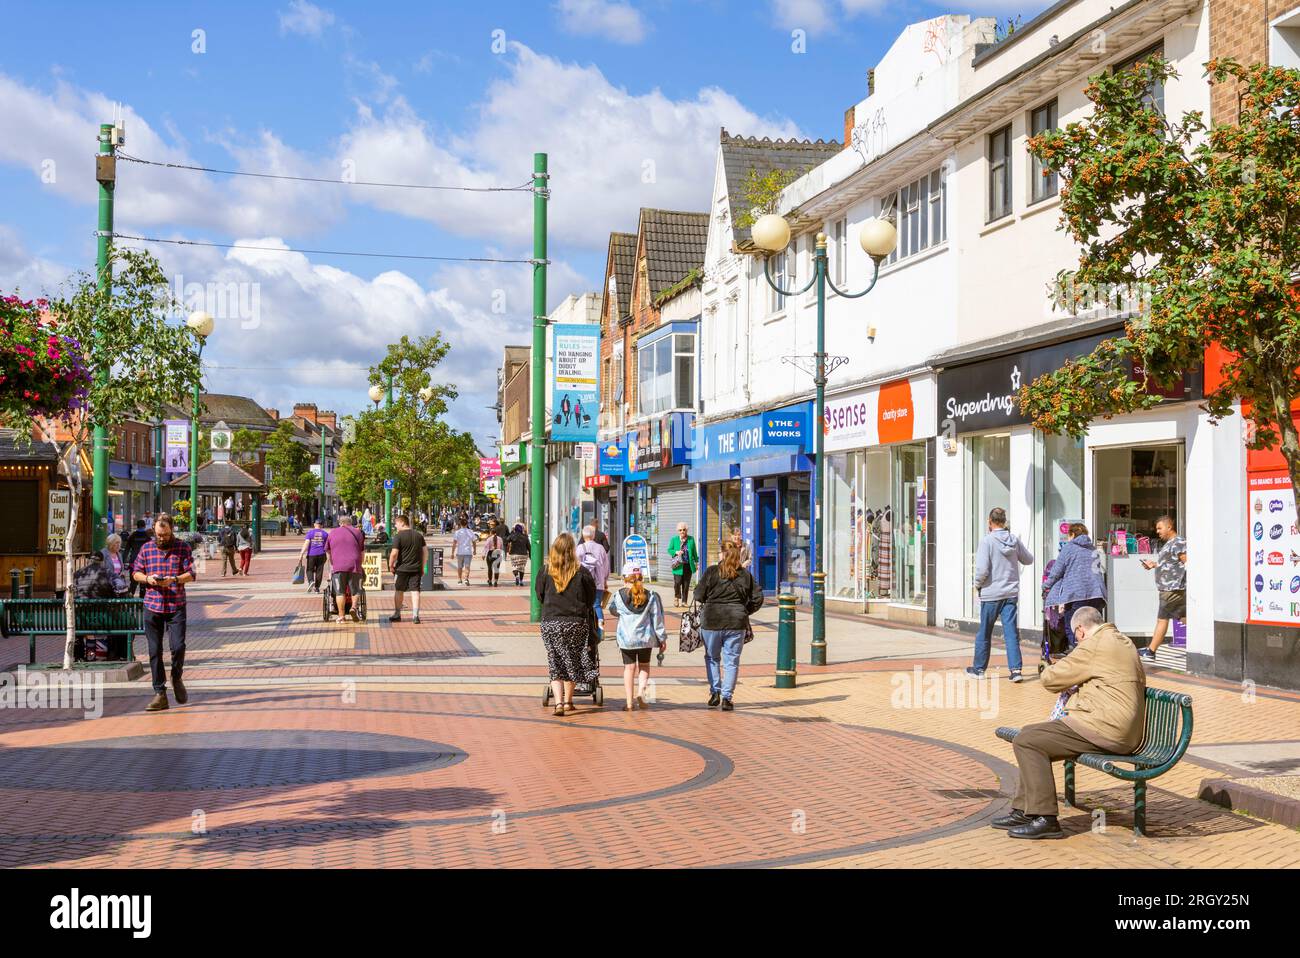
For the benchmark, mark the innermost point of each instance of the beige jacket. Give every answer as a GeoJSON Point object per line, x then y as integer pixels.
{"type": "Point", "coordinates": [1110, 706]}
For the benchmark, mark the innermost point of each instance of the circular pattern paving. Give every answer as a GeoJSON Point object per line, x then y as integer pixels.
{"type": "Point", "coordinates": [222, 760]}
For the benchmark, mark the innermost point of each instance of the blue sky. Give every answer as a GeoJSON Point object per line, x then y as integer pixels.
{"type": "Point", "coordinates": [432, 92]}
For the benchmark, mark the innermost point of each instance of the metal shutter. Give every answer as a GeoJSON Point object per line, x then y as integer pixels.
{"type": "Point", "coordinates": [673, 504]}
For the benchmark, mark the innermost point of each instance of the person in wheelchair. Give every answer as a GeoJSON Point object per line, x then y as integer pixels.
{"type": "Point", "coordinates": [345, 546]}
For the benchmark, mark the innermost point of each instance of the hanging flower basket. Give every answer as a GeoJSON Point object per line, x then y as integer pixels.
{"type": "Point", "coordinates": [41, 372]}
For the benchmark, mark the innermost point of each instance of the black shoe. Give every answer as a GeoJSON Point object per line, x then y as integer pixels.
{"type": "Point", "coordinates": [1016, 676]}
{"type": "Point", "coordinates": [415, 619]}
{"type": "Point", "coordinates": [714, 699]}
{"type": "Point", "coordinates": [727, 706]}
{"type": "Point", "coordinates": [178, 689]}
{"type": "Point", "coordinates": [397, 617]}
{"type": "Point", "coordinates": [977, 673]}
{"type": "Point", "coordinates": [1014, 820]}
{"type": "Point", "coordinates": [1039, 827]}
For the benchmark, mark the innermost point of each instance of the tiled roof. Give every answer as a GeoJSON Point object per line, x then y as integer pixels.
{"type": "Point", "coordinates": [740, 154]}
{"type": "Point", "coordinates": [622, 253]}
{"type": "Point", "coordinates": [221, 477]}
{"type": "Point", "coordinates": [674, 245]}
{"type": "Point", "coordinates": [14, 449]}
{"type": "Point", "coordinates": [236, 411]}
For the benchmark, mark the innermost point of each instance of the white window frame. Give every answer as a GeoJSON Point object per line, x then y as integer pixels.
{"type": "Point", "coordinates": [914, 206]}
{"type": "Point", "coordinates": [1043, 187]}
{"type": "Point", "coordinates": [999, 165]}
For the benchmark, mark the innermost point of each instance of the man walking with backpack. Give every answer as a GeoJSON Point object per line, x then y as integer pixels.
{"type": "Point", "coordinates": [229, 546]}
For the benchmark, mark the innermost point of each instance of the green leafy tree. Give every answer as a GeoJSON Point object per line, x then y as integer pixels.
{"type": "Point", "coordinates": [762, 192]}
{"type": "Point", "coordinates": [137, 360]}
{"type": "Point", "coordinates": [1202, 223]}
{"type": "Point", "coordinates": [410, 441]}
{"type": "Point", "coordinates": [289, 463]}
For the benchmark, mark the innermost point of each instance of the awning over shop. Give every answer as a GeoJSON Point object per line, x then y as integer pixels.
{"type": "Point", "coordinates": [775, 466]}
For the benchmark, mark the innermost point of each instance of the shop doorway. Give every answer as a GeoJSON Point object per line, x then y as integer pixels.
{"type": "Point", "coordinates": [767, 545]}
{"type": "Point", "coordinates": [911, 511]}
{"type": "Point", "coordinates": [988, 461]}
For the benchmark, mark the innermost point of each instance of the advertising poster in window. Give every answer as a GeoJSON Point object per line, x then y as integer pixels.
{"type": "Point", "coordinates": [1273, 541]}
{"type": "Point", "coordinates": [575, 402]}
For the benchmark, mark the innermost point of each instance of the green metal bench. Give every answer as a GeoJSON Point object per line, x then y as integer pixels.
{"type": "Point", "coordinates": [108, 617]}
{"type": "Point", "coordinates": [1165, 740]}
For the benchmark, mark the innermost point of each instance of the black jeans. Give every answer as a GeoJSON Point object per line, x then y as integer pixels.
{"type": "Point", "coordinates": [682, 587]}
{"type": "Point", "coordinates": [315, 570]}
{"type": "Point", "coordinates": [155, 623]}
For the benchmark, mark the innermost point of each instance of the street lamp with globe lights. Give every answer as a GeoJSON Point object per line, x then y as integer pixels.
{"type": "Point", "coordinates": [771, 233]}
{"type": "Point", "coordinates": [376, 393]}
{"type": "Point", "coordinates": [201, 325]}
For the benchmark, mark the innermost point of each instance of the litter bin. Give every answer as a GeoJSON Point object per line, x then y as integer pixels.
{"type": "Point", "coordinates": [432, 578]}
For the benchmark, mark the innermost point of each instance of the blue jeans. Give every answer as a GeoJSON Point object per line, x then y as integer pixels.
{"type": "Point", "coordinates": [724, 644]}
{"type": "Point", "coordinates": [990, 612]}
{"type": "Point", "coordinates": [600, 606]}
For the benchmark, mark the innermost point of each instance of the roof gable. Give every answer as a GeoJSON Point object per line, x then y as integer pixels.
{"type": "Point", "coordinates": [741, 154]}
{"type": "Point", "coordinates": [673, 244]}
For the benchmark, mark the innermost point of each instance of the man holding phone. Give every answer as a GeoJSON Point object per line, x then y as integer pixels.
{"type": "Point", "coordinates": [1170, 565]}
{"type": "Point", "coordinates": [163, 566]}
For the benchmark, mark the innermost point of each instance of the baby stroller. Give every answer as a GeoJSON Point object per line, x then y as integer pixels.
{"type": "Point", "coordinates": [329, 607]}
{"type": "Point", "coordinates": [1055, 640]}
{"type": "Point", "coordinates": [591, 687]}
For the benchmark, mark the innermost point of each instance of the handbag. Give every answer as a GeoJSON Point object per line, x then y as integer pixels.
{"type": "Point", "coordinates": [688, 637]}
{"type": "Point", "coordinates": [299, 575]}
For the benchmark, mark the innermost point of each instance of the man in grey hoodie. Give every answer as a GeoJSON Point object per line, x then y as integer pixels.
{"type": "Point", "coordinates": [997, 577]}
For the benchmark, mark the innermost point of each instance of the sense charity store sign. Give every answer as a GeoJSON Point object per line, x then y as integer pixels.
{"type": "Point", "coordinates": [897, 411]}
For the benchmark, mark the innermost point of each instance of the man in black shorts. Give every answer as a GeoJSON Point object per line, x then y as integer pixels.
{"type": "Point", "coordinates": [406, 562]}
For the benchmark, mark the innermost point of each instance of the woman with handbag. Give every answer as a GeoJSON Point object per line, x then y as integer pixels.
{"type": "Point", "coordinates": [728, 595]}
{"type": "Point", "coordinates": [686, 559]}
{"type": "Point", "coordinates": [567, 593]}
{"type": "Point", "coordinates": [640, 628]}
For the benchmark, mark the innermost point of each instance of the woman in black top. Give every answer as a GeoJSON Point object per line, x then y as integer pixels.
{"type": "Point", "coordinates": [728, 595]}
{"type": "Point", "coordinates": [567, 593]}
{"type": "Point", "coordinates": [518, 547]}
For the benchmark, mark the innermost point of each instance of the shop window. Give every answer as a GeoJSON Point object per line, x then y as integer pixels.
{"type": "Point", "coordinates": [999, 157]}
{"type": "Point", "coordinates": [1058, 470]}
{"type": "Point", "coordinates": [988, 461]}
{"type": "Point", "coordinates": [1043, 183]}
{"type": "Point", "coordinates": [921, 210]}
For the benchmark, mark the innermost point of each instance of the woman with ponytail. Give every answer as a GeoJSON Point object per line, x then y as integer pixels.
{"type": "Point", "coordinates": [728, 595]}
{"type": "Point", "coordinates": [640, 628]}
{"type": "Point", "coordinates": [567, 593]}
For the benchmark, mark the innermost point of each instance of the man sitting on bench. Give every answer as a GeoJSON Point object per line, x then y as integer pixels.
{"type": "Point", "coordinates": [1107, 714]}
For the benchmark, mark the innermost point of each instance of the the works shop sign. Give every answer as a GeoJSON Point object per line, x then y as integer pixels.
{"type": "Point", "coordinates": [985, 394]}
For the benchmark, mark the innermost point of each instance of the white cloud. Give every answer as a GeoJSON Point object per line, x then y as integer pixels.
{"type": "Point", "coordinates": [616, 21]}
{"type": "Point", "coordinates": [810, 15]}
{"type": "Point", "coordinates": [305, 19]}
{"type": "Point", "coordinates": [611, 152]}
{"type": "Point", "coordinates": [23, 273]}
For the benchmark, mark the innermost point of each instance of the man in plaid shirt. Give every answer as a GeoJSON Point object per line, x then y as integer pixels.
{"type": "Point", "coordinates": [163, 566]}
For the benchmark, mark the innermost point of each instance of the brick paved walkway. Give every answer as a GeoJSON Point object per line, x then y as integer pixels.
{"type": "Point", "coordinates": [330, 745]}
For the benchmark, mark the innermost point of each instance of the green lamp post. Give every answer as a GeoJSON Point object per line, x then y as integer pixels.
{"type": "Point", "coordinates": [200, 324]}
{"type": "Point", "coordinates": [878, 237]}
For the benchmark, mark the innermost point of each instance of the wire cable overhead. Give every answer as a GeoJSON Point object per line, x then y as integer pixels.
{"type": "Point", "coordinates": [314, 252]}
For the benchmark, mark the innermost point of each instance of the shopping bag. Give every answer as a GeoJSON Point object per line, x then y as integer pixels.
{"type": "Point", "coordinates": [299, 576]}
{"type": "Point", "coordinates": [689, 637]}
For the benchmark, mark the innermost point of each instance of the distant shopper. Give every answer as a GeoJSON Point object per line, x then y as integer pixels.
{"type": "Point", "coordinates": [518, 547]}
{"type": "Point", "coordinates": [134, 543]}
{"type": "Point", "coordinates": [567, 592]}
{"type": "Point", "coordinates": [345, 546]}
{"type": "Point", "coordinates": [746, 557]}
{"type": "Point", "coordinates": [1170, 565]}
{"type": "Point", "coordinates": [1106, 713]}
{"type": "Point", "coordinates": [1075, 579]}
{"type": "Point", "coordinates": [600, 537]}
{"type": "Point", "coordinates": [685, 558]}
{"type": "Point", "coordinates": [244, 543]}
{"type": "Point", "coordinates": [406, 562]}
{"type": "Point", "coordinates": [595, 559]}
{"type": "Point", "coordinates": [117, 568]}
{"type": "Point", "coordinates": [640, 629]}
{"type": "Point", "coordinates": [163, 566]}
{"type": "Point", "coordinates": [313, 551]}
{"type": "Point", "coordinates": [728, 595]}
{"type": "Point", "coordinates": [229, 545]}
{"type": "Point", "coordinates": [494, 552]}
{"type": "Point", "coordinates": [997, 579]}
{"type": "Point", "coordinates": [466, 544]}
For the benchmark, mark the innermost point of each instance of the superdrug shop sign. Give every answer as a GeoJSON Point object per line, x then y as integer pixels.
{"type": "Point", "coordinates": [983, 395]}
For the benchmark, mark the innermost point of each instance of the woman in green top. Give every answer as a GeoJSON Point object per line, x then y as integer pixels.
{"type": "Point", "coordinates": [685, 559]}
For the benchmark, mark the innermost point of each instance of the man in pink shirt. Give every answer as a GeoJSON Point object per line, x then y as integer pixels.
{"type": "Point", "coordinates": [345, 545]}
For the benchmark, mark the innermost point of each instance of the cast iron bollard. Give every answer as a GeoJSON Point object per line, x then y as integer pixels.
{"type": "Point", "coordinates": [13, 583]}
{"type": "Point", "coordinates": [785, 664]}
{"type": "Point", "coordinates": [817, 654]}
{"type": "Point", "coordinates": [29, 577]}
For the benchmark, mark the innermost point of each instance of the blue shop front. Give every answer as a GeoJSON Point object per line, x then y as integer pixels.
{"type": "Point", "coordinates": [754, 476]}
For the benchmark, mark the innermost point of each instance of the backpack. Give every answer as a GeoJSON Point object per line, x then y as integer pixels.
{"type": "Point", "coordinates": [228, 538]}
{"type": "Point", "coordinates": [589, 560]}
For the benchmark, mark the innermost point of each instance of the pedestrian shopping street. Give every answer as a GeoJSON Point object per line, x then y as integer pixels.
{"type": "Point", "coordinates": [316, 745]}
